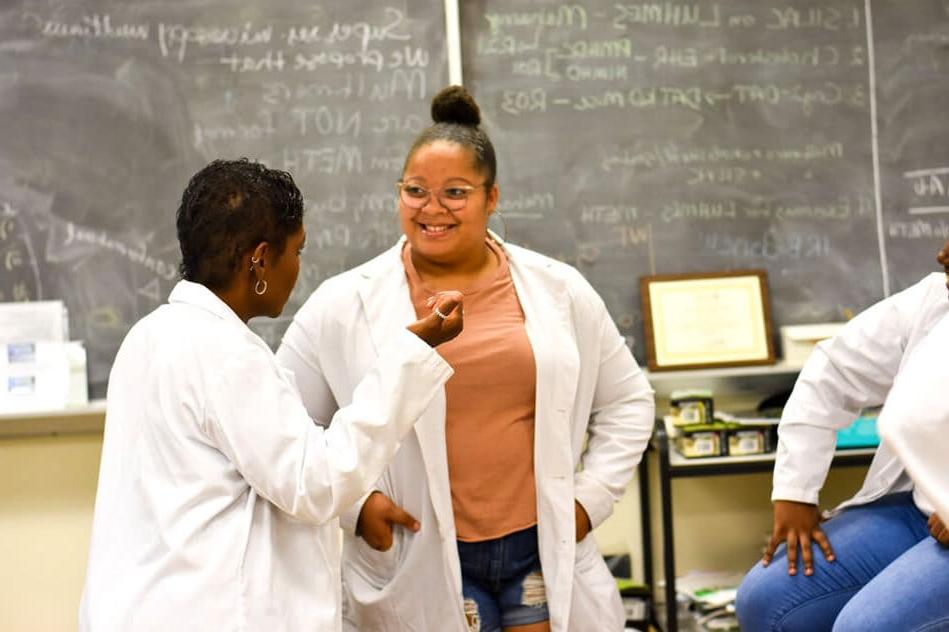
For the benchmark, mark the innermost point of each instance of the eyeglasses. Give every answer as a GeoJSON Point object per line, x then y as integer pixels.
{"type": "Point", "coordinates": [453, 197]}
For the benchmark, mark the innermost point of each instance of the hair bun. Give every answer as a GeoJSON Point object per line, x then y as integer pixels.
{"type": "Point", "coordinates": [454, 105]}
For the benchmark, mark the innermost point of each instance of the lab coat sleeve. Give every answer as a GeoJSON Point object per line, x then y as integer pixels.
{"type": "Point", "coordinates": [850, 372]}
{"type": "Point", "coordinates": [915, 419]}
{"type": "Point", "coordinates": [621, 420]}
{"type": "Point", "coordinates": [257, 420]}
{"type": "Point", "coordinates": [300, 353]}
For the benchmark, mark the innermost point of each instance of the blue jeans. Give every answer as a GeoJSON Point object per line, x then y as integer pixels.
{"type": "Point", "coordinates": [502, 583]}
{"type": "Point", "coordinates": [889, 575]}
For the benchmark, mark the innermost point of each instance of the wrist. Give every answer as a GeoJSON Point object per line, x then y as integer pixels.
{"type": "Point", "coordinates": [362, 510]}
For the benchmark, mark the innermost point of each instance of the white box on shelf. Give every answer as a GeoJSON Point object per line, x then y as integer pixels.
{"type": "Point", "coordinates": [797, 341]}
{"type": "Point", "coordinates": [40, 376]}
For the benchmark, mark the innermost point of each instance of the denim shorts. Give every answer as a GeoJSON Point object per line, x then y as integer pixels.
{"type": "Point", "coordinates": [502, 583]}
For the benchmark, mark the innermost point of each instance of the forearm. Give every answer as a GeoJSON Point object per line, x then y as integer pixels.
{"type": "Point", "coordinates": [307, 471]}
{"type": "Point", "coordinates": [364, 436]}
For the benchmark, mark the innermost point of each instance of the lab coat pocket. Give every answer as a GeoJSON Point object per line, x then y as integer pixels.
{"type": "Point", "coordinates": [368, 575]}
{"type": "Point", "coordinates": [595, 595]}
{"type": "Point", "coordinates": [380, 566]}
{"type": "Point", "coordinates": [376, 567]}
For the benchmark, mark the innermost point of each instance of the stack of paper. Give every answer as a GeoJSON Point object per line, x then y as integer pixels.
{"type": "Point", "coordinates": [712, 597]}
{"type": "Point", "coordinates": [35, 321]}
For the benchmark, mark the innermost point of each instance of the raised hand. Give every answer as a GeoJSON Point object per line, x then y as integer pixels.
{"type": "Point", "coordinates": [446, 320]}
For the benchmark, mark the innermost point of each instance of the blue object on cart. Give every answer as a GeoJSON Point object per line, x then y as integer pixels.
{"type": "Point", "coordinates": [862, 433]}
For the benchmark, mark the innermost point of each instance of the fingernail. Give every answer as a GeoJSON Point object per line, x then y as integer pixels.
{"type": "Point", "coordinates": [808, 571]}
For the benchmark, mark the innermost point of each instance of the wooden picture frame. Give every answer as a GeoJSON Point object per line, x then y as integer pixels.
{"type": "Point", "coordinates": [707, 320]}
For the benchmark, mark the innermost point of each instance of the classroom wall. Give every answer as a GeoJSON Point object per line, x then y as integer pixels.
{"type": "Point", "coordinates": [47, 491]}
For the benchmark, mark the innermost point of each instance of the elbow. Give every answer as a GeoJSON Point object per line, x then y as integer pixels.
{"type": "Point", "coordinates": [646, 404]}
{"type": "Point", "coordinates": [641, 392]}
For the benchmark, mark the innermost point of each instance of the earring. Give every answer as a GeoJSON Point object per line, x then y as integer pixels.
{"type": "Point", "coordinates": [254, 261]}
{"type": "Point", "coordinates": [258, 290]}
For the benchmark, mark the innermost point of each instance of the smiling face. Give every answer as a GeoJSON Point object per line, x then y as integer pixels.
{"type": "Point", "coordinates": [437, 234]}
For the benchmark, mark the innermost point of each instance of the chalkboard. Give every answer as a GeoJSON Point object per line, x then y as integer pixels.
{"type": "Point", "coordinates": [107, 108]}
{"type": "Point", "coordinates": [673, 137]}
{"type": "Point", "coordinates": [804, 138]}
{"type": "Point", "coordinates": [912, 61]}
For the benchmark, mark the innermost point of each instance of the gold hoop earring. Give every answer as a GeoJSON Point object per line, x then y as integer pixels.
{"type": "Point", "coordinates": [258, 290]}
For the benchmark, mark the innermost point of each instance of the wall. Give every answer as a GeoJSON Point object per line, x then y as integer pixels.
{"type": "Point", "coordinates": [47, 490]}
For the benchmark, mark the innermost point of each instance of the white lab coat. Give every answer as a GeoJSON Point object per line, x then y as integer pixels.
{"type": "Point", "coordinates": [217, 493]}
{"type": "Point", "coordinates": [915, 419]}
{"type": "Point", "coordinates": [586, 380]}
{"type": "Point", "coordinates": [854, 370]}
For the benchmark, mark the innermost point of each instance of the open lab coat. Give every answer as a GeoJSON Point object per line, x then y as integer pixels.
{"type": "Point", "coordinates": [915, 419]}
{"type": "Point", "coordinates": [587, 380]}
{"type": "Point", "coordinates": [854, 370]}
{"type": "Point", "coordinates": [218, 496]}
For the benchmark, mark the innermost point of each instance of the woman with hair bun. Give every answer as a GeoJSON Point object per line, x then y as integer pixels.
{"type": "Point", "coordinates": [533, 439]}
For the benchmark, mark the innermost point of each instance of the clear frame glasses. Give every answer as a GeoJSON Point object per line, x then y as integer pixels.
{"type": "Point", "coordinates": [453, 197]}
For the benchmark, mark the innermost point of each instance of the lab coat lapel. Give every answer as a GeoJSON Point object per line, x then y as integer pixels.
{"type": "Point", "coordinates": [547, 319]}
{"type": "Point", "coordinates": [387, 304]}
{"type": "Point", "coordinates": [549, 326]}
{"type": "Point", "coordinates": [384, 294]}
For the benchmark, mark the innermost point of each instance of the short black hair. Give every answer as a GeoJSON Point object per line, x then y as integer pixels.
{"type": "Point", "coordinates": [456, 118]}
{"type": "Point", "coordinates": [228, 208]}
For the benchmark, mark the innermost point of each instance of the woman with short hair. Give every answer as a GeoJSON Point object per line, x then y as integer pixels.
{"type": "Point", "coordinates": [218, 495]}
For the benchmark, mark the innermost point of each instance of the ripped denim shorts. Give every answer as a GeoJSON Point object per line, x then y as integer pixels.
{"type": "Point", "coordinates": [502, 582]}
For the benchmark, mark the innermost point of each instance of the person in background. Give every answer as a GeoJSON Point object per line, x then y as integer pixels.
{"type": "Point", "coordinates": [525, 450]}
{"type": "Point", "coordinates": [218, 495]}
{"type": "Point", "coordinates": [880, 562]}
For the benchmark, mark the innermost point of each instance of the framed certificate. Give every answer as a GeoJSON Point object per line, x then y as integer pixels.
{"type": "Point", "coordinates": [715, 319]}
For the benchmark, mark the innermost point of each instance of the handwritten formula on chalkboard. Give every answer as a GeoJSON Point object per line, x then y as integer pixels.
{"type": "Point", "coordinates": [108, 108]}
{"type": "Point", "coordinates": [670, 137]}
